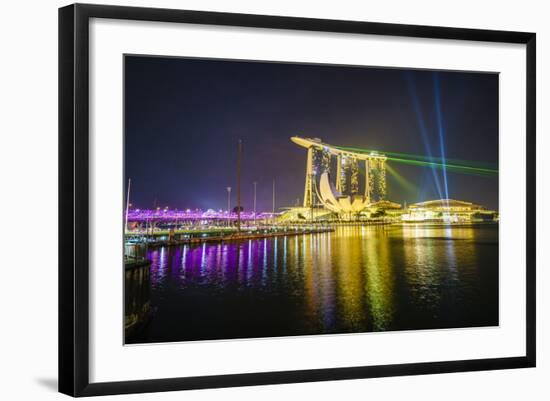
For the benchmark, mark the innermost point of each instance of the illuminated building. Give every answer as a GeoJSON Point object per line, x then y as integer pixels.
{"type": "Point", "coordinates": [344, 196]}
{"type": "Point", "coordinates": [448, 211]}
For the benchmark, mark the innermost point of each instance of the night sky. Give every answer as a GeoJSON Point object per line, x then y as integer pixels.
{"type": "Point", "coordinates": [184, 117]}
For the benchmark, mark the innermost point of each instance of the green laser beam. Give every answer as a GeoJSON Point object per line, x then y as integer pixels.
{"type": "Point", "coordinates": [401, 180]}
{"type": "Point", "coordinates": [423, 161]}
{"type": "Point", "coordinates": [420, 157]}
{"type": "Point", "coordinates": [450, 167]}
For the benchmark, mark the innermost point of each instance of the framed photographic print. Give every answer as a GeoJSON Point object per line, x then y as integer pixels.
{"type": "Point", "coordinates": [250, 199]}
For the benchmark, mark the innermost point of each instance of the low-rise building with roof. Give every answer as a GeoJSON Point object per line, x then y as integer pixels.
{"type": "Point", "coordinates": [449, 211]}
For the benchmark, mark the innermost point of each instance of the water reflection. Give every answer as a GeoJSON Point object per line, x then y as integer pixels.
{"type": "Point", "coordinates": [355, 279]}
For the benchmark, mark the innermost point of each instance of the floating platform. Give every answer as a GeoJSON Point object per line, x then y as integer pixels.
{"type": "Point", "coordinates": [235, 236]}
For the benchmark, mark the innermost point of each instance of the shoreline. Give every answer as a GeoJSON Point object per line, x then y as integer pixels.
{"type": "Point", "coordinates": [200, 237]}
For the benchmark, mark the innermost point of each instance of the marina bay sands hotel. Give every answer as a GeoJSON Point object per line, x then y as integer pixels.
{"type": "Point", "coordinates": [345, 194]}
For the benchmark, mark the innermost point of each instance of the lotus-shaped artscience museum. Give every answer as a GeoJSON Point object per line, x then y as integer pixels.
{"type": "Point", "coordinates": [336, 202]}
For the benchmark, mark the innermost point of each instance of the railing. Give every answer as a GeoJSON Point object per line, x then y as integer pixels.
{"type": "Point", "coordinates": [134, 252]}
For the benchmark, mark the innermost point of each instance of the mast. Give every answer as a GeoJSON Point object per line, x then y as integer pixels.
{"type": "Point", "coordinates": [127, 205]}
{"type": "Point", "coordinates": [239, 155]}
{"type": "Point", "coordinates": [228, 206]}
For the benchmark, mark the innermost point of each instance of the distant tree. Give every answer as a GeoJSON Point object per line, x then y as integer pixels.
{"type": "Point", "coordinates": [238, 209]}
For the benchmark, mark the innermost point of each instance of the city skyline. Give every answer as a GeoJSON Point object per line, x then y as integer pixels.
{"type": "Point", "coordinates": [183, 124]}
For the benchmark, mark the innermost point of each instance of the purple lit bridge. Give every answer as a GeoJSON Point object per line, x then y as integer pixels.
{"type": "Point", "coordinates": [181, 216]}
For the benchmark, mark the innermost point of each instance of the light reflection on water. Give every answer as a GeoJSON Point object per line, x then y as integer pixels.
{"type": "Point", "coordinates": [356, 279]}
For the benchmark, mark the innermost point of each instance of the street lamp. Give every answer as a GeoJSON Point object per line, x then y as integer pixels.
{"type": "Point", "coordinates": [254, 203]}
{"type": "Point", "coordinates": [273, 209]}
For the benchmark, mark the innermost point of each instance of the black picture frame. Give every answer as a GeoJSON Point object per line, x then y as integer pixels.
{"type": "Point", "coordinates": [74, 198]}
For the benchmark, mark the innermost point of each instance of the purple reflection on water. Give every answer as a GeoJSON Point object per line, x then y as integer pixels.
{"type": "Point", "coordinates": [234, 263]}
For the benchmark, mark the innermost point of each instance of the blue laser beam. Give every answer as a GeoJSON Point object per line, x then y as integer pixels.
{"type": "Point", "coordinates": [422, 128]}
{"type": "Point", "coordinates": [440, 129]}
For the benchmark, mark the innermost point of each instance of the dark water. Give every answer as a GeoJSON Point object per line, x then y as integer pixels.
{"type": "Point", "coordinates": [356, 279]}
